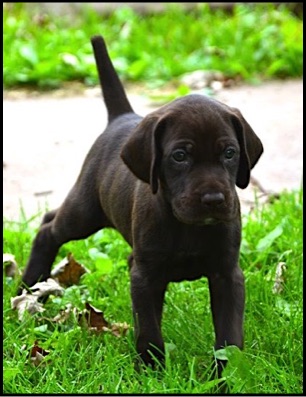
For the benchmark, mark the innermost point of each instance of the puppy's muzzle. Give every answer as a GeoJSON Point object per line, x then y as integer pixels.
{"type": "Point", "coordinates": [205, 208]}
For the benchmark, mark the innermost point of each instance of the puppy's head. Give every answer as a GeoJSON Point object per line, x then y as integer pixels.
{"type": "Point", "coordinates": [193, 151]}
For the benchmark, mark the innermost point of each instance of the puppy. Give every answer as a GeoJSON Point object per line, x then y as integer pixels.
{"type": "Point", "coordinates": [166, 182]}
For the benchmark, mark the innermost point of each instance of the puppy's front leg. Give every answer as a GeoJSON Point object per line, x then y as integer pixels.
{"type": "Point", "coordinates": [147, 298]}
{"type": "Point", "coordinates": [227, 302]}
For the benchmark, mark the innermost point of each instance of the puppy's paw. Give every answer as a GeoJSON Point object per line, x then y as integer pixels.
{"type": "Point", "coordinates": [153, 358]}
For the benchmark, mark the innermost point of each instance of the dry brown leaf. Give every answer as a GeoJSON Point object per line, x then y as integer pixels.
{"type": "Point", "coordinates": [119, 329]}
{"type": "Point", "coordinates": [95, 321]}
{"type": "Point", "coordinates": [46, 288]}
{"type": "Point", "coordinates": [37, 354]}
{"type": "Point", "coordinates": [64, 314]}
{"type": "Point", "coordinates": [94, 318]}
{"type": "Point", "coordinates": [68, 272]}
{"type": "Point", "coordinates": [10, 266]}
{"type": "Point", "coordinates": [28, 301]}
{"type": "Point", "coordinates": [279, 278]}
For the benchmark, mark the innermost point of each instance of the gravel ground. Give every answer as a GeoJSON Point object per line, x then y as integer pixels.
{"type": "Point", "coordinates": [47, 137]}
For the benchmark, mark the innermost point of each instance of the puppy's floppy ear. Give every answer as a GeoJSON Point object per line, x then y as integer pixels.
{"type": "Point", "coordinates": [142, 152]}
{"type": "Point", "coordinates": [250, 148]}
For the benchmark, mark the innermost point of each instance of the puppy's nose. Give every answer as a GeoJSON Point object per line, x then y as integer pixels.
{"type": "Point", "coordinates": [213, 199]}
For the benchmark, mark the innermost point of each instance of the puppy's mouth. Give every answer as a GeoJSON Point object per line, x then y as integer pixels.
{"type": "Point", "coordinates": [204, 221]}
{"type": "Point", "coordinates": [200, 217]}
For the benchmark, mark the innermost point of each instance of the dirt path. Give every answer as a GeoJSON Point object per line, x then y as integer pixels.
{"type": "Point", "coordinates": [47, 138]}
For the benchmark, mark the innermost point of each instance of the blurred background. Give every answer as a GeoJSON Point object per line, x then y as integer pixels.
{"type": "Point", "coordinates": [47, 44]}
{"type": "Point", "coordinates": [249, 55]}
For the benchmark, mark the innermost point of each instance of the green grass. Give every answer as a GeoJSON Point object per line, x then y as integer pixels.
{"type": "Point", "coordinates": [257, 41]}
{"type": "Point", "coordinates": [80, 362]}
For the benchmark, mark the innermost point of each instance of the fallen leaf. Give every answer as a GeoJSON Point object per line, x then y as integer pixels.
{"type": "Point", "coordinates": [68, 272]}
{"type": "Point", "coordinates": [10, 266]}
{"type": "Point", "coordinates": [95, 321]}
{"type": "Point", "coordinates": [119, 329]}
{"type": "Point", "coordinates": [279, 278]}
{"type": "Point", "coordinates": [37, 354]}
{"type": "Point", "coordinates": [46, 288]}
{"type": "Point", "coordinates": [94, 318]}
{"type": "Point", "coordinates": [28, 301]}
{"type": "Point", "coordinates": [63, 315]}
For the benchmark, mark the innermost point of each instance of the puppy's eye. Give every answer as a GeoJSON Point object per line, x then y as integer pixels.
{"type": "Point", "coordinates": [179, 155]}
{"type": "Point", "coordinates": [229, 153]}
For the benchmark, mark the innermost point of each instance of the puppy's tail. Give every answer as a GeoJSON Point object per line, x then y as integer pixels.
{"type": "Point", "coordinates": [113, 92]}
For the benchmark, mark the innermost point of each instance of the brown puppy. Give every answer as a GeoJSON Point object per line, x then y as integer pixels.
{"type": "Point", "coordinates": [167, 183]}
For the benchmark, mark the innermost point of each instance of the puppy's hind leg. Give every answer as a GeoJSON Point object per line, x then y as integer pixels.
{"type": "Point", "coordinates": [79, 216]}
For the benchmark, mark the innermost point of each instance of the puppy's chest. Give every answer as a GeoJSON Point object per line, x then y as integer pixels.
{"type": "Point", "coordinates": [184, 265]}
{"type": "Point", "coordinates": [194, 257]}
{"type": "Point", "coordinates": [187, 266]}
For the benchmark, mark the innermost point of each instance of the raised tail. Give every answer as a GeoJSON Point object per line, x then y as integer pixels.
{"type": "Point", "coordinates": [113, 92]}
